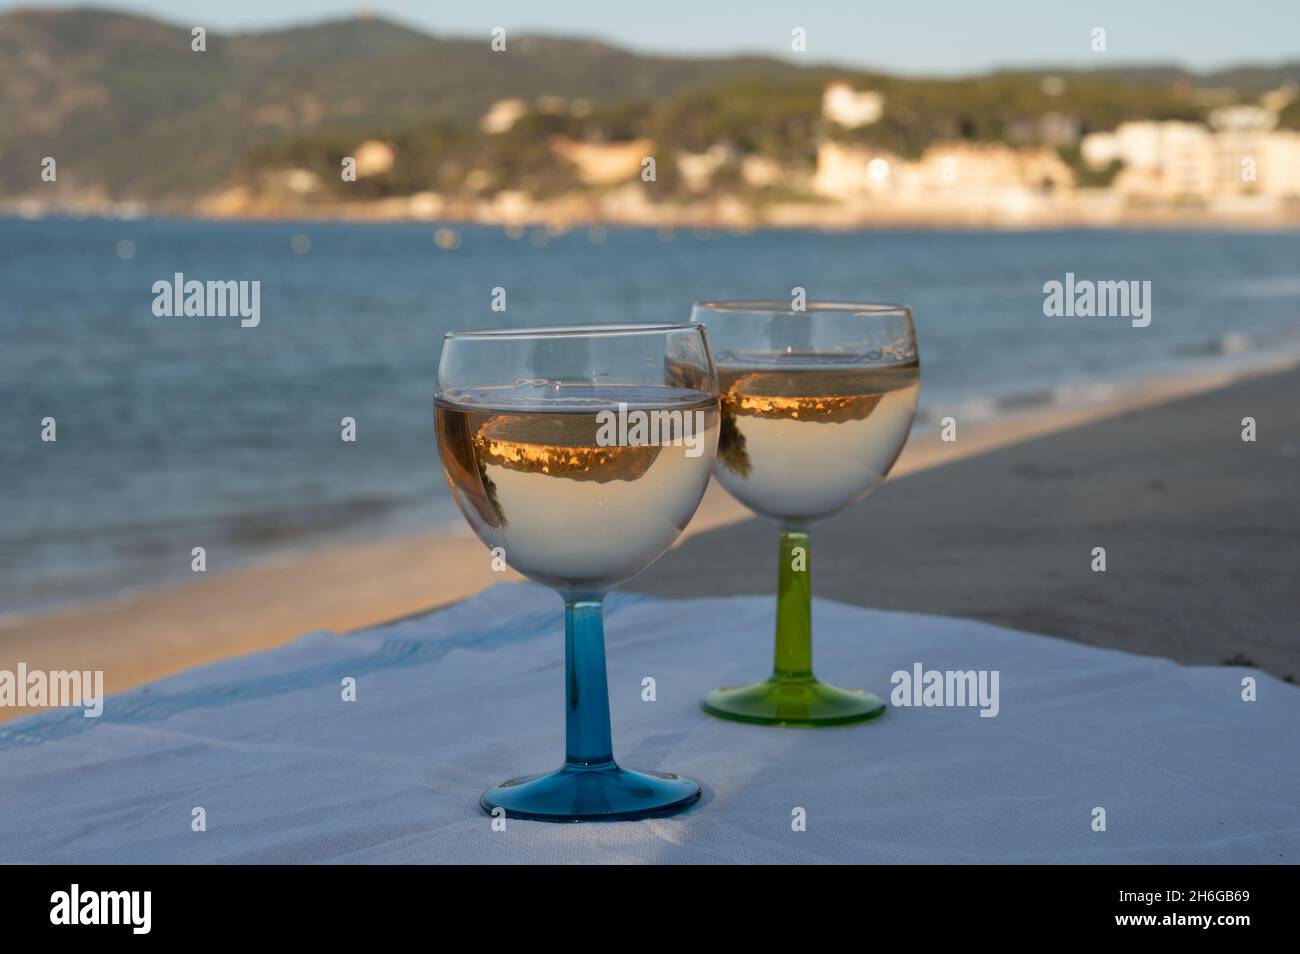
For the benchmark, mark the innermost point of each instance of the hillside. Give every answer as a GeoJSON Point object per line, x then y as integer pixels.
{"type": "Point", "coordinates": [100, 90]}
{"type": "Point", "coordinates": [130, 112]}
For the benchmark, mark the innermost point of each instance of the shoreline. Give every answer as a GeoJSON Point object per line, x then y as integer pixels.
{"type": "Point", "coordinates": [795, 218]}
{"type": "Point", "coordinates": [156, 632]}
{"type": "Point", "coordinates": [993, 417]}
{"type": "Point", "coordinates": [1018, 412]}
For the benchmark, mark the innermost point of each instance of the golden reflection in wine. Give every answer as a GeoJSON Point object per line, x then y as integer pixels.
{"type": "Point", "coordinates": [569, 510]}
{"type": "Point", "coordinates": [803, 436]}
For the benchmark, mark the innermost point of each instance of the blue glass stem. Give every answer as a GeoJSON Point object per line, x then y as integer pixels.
{"type": "Point", "coordinates": [586, 690]}
{"type": "Point", "coordinates": [589, 786]}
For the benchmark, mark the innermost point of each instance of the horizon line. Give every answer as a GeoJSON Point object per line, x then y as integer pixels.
{"type": "Point", "coordinates": [655, 53]}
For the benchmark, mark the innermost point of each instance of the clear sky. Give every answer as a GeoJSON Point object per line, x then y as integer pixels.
{"type": "Point", "coordinates": [908, 36]}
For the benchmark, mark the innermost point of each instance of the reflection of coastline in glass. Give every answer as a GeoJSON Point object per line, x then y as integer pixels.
{"type": "Point", "coordinates": [805, 435]}
{"type": "Point", "coordinates": [569, 511]}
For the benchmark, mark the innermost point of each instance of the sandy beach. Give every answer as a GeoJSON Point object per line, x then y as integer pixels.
{"type": "Point", "coordinates": [997, 525]}
{"type": "Point", "coordinates": [1199, 527]}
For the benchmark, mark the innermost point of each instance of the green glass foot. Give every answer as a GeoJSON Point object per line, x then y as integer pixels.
{"type": "Point", "coordinates": [794, 702]}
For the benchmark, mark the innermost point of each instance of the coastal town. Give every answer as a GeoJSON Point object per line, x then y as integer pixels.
{"type": "Point", "coordinates": [1235, 167]}
{"type": "Point", "coordinates": [562, 132]}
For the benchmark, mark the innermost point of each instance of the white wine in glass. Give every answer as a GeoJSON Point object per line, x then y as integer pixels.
{"type": "Point", "coordinates": [817, 404]}
{"type": "Point", "coordinates": [579, 454]}
{"type": "Point", "coordinates": [533, 476]}
{"type": "Point", "coordinates": [807, 435]}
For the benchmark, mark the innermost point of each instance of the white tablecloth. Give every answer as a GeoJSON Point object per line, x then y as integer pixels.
{"type": "Point", "coordinates": [452, 702]}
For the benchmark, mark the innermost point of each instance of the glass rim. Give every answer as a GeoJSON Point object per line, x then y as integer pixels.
{"type": "Point", "coordinates": [574, 331]}
{"type": "Point", "coordinates": [783, 308]}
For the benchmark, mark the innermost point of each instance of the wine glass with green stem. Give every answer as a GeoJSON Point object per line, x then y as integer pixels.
{"type": "Point", "coordinates": [579, 454]}
{"type": "Point", "coordinates": [817, 403]}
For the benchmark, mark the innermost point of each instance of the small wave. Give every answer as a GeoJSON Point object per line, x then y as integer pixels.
{"type": "Point", "coordinates": [1027, 400]}
{"type": "Point", "coordinates": [1232, 342]}
{"type": "Point", "coordinates": [976, 409]}
{"type": "Point", "coordinates": [1280, 286]}
{"type": "Point", "coordinates": [259, 529]}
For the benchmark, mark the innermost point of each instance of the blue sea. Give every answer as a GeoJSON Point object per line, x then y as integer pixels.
{"type": "Point", "coordinates": [181, 432]}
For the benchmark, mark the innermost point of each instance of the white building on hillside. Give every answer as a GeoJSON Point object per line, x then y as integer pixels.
{"type": "Point", "coordinates": [845, 106]}
{"type": "Point", "coordinates": [1161, 159]}
{"type": "Point", "coordinates": [502, 115]}
{"type": "Point", "coordinates": [850, 171]}
{"type": "Point", "coordinates": [1178, 160]}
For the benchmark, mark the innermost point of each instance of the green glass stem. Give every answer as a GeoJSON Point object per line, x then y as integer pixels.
{"type": "Point", "coordinates": [792, 695]}
{"type": "Point", "coordinates": [793, 658]}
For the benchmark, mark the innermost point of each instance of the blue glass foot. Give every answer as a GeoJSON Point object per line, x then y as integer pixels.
{"type": "Point", "coordinates": [592, 793]}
